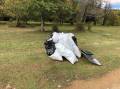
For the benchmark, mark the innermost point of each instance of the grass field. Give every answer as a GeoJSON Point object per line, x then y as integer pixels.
{"type": "Point", "coordinates": [24, 64]}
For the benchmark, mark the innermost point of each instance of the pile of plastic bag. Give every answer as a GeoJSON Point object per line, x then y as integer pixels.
{"type": "Point", "coordinates": [62, 45]}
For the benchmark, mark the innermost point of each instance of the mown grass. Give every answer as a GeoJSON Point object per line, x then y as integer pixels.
{"type": "Point", "coordinates": [24, 64]}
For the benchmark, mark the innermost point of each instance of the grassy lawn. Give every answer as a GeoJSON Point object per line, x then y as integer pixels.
{"type": "Point", "coordinates": [24, 64]}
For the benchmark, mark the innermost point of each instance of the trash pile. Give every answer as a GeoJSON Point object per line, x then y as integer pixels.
{"type": "Point", "coordinates": [61, 45]}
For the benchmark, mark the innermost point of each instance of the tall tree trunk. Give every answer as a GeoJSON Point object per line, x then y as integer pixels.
{"type": "Point", "coordinates": [42, 24]}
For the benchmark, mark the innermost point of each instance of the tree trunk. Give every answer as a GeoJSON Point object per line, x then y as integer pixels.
{"type": "Point", "coordinates": [25, 21]}
{"type": "Point", "coordinates": [89, 26]}
{"type": "Point", "coordinates": [42, 25]}
{"type": "Point", "coordinates": [18, 22]}
{"type": "Point", "coordinates": [84, 14]}
{"type": "Point", "coordinates": [79, 24]}
{"type": "Point", "coordinates": [104, 20]}
{"type": "Point", "coordinates": [71, 23]}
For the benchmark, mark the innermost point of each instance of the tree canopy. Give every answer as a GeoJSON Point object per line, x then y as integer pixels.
{"type": "Point", "coordinates": [58, 11]}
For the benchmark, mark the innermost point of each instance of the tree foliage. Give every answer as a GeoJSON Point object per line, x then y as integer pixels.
{"type": "Point", "coordinates": [18, 9]}
{"type": "Point", "coordinates": [58, 11]}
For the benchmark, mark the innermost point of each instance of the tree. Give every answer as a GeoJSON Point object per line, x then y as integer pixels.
{"type": "Point", "coordinates": [113, 19]}
{"type": "Point", "coordinates": [41, 8]}
{"type": "Point", "coordinates": [18, 9]}
{"type": "Point", "coordinates": [1, 7]}
{"type": "Point", "coordinates": [64, 12]}
{"type": "Point", "coordinates": [85, 8]}
{"type": "Point", "coordinates": [107, 12]}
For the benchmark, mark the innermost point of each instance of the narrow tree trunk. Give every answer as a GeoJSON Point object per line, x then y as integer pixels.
{"type": "Point", "coordinates": [71, 23]}
{"type": "Point", "coordinates": [18, 22]}
{"type": "Point", "coordinates": [25, 21]}
{"type": "Point", "coordinates": [95, 22]}
{"type": "Point", "coordinates": [89, 24]}
{"type": "Point", "coordinates": [84, 14]}
{"type": "Point", "coordinates": [79, 24]}
{"type": "Point", "coordinates": [104, 20]}
{"type": "Point", "coordinates": [42, 24]}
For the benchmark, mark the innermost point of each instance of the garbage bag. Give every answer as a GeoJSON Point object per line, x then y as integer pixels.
{"type": "Point", "coordinates": [55, 37]}
{"type": "Point", "coordinates": [65, 45]}
{"type": "Point", "coordinates": [67, 53]}
{"type": "Point", "coordinates": [89, 56]}
{"type": "Point", "coordinates": [74, 39]}
{"type": "Point", "coordinates": [73, 45]}
{"type": "Point", "coordinates": [66, 40]}
{"type": "Point", "coordinates": [56, 56]}
{"type": "Point", "coordinates": [51, 50]}
{"type": "Point", "coordinates": [57, 51]}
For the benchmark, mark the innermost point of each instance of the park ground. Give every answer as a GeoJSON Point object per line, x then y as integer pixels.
{"type": "Point", "coordinates": [110, 80]}
{"type": "Point", "coordinates": [25, 65]}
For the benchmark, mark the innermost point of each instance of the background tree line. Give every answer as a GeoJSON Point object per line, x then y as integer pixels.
{"type": "Point", "coordinates": [79, 12]}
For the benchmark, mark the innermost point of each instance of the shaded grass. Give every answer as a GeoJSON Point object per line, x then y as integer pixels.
{"type": "Point", "coordinates": [24, 64]}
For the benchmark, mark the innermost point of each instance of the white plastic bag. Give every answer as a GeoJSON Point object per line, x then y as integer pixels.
{"type": "Point", "coordinates": [73, 46]}
{"type": "Point", "coordinates": [56, 56]}
{"type": "Point", "coordinates": [66, 47]}
{"type": "Point", "coordinates": [67, 53]}
{"type": "Point", "coordinates": [51, 50]}
{"type": "Point", "coordinates": [55, 37]}
{"type": "Point", "coordinates": [66, 40]}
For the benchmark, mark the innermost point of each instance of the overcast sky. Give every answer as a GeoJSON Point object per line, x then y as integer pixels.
{"type": "Point", "coordinates": [115, 3]}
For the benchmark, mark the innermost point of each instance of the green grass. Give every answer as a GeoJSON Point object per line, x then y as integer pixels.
{"type": "Point", "coordinates": [24, 64]}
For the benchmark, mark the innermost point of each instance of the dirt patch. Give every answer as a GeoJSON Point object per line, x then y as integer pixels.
{"type": "Point", "coordinates": [108, 81]}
